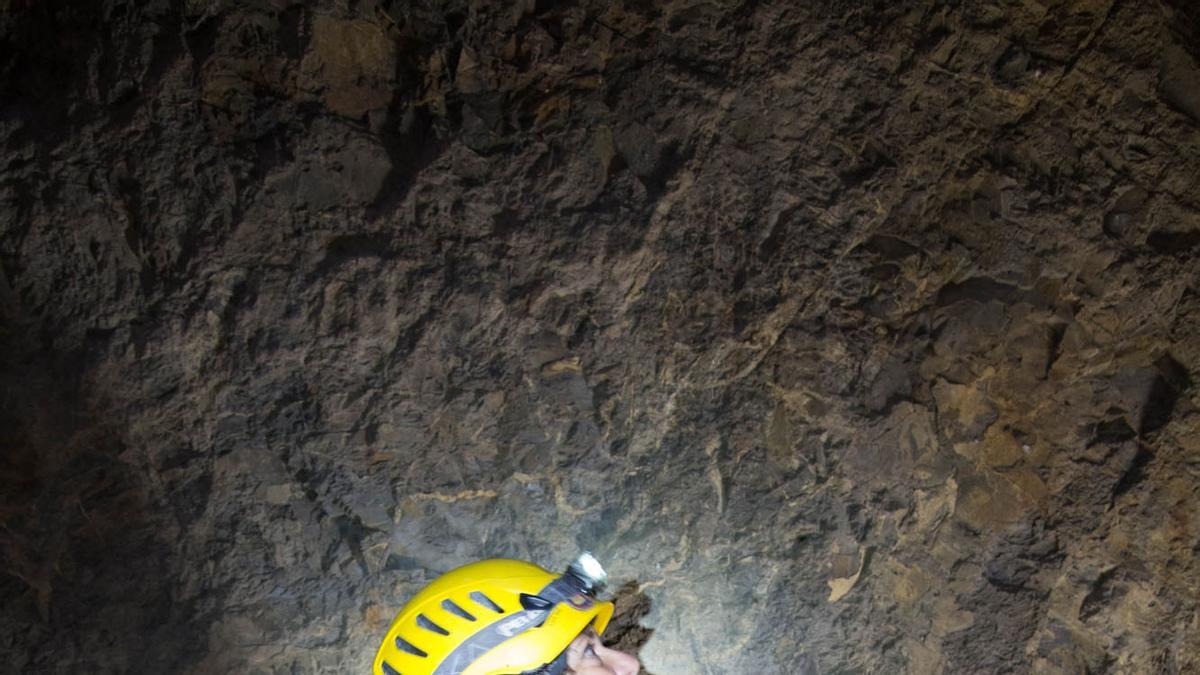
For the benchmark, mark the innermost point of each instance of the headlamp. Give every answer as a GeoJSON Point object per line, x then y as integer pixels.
{"type": "Point", "coordinates": [587, 574]}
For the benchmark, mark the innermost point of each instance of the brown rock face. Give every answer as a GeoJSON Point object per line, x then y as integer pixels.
{"type": "Point", "coordinates": [352, 63]}
{"type": "Point", "coordinates": [855, 337]}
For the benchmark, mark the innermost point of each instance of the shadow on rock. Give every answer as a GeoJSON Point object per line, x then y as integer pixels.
{"type": "Point", "coordinates": [87, 546]}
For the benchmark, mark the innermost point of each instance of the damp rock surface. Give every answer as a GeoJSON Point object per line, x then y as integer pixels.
{"type": "Point", "coordinates": [853, 337]}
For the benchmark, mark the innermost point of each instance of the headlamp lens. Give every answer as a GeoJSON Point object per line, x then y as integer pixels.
{"type": "Point", "coordinates": [589, 571]}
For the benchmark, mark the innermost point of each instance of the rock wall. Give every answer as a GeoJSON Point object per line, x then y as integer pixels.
{"type": "Point", "coordinates": [856, 336]}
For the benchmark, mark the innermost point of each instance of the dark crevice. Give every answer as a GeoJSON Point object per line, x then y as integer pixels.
{"type": "Point", "coordinates": [1135, 474]}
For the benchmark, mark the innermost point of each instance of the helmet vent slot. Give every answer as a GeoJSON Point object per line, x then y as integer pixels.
{"type": "Point", "coordinates": [484, 601]}
{"type": "Point", "coordinates": [453, 608]}
{"type": "Point", "coordinates": [406, 646]}
{"type": "Point", "coordinates": [424, 622]}
{"type": "Point", "coordinates": [535, 602]}
{"type": "Point", "coordinates": [389, 670]}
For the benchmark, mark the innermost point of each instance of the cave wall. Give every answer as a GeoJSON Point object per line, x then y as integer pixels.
{"type": "Point", "coordinates": [861, 336]}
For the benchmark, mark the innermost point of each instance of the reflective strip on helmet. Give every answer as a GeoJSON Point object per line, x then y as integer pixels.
{"type": "Point", "coordinates": [488, 639]}
{"type": "Point", "coordinates": [493, 635]}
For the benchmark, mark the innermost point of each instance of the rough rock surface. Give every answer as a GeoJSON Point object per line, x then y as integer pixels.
{"type": "Point", "coordinates": [860, 336]}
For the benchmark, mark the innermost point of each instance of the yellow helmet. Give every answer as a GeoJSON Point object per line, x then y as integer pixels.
{"type": "Point", "coordinates": [494, 617]}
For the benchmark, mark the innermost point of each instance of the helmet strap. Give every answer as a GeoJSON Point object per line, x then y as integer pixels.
{"type": "Point", "coordinates": [557, 666]}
